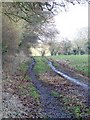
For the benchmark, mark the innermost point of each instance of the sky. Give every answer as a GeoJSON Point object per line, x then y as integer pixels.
{"type": "Point", "coordinates": [68, 23]}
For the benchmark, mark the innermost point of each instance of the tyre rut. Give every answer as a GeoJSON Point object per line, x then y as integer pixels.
{"type": "Point", "coordinates": [52, 107]}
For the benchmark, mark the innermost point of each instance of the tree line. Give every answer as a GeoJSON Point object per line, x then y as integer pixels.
{"type": "Point", "coordinates": [25, 24]}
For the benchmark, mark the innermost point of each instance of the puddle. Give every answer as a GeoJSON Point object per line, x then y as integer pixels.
{"type": "Point", "coordinates": [52, 107]}
{"type": "Point", "coordinates": [85, 86]}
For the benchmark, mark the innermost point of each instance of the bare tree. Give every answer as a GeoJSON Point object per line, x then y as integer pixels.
{"type": "Point", "coordinates": [81, 40]}
{"type": "Point", "coordinates": [34, 12]}
{"type": "Point", "coordinates": [10, 39]}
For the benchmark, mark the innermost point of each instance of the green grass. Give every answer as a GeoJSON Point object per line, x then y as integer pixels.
{"type": "Point", "coordinates": [75, 107]}
{"type": "Point", "coordinates": [78, 111]}
{"type": "Point", "coordinates": [79, 62]}
{"type": "Point", "coordinates": [55, 94]}
{"type": "Point", "coordinates": [24, 66]}
{"type": "Point", "coordinates": [27, 77]}
{"type": "Point", "coordinates": [41, 66]}
{"type": "Point", "coordinates": [32, 91]}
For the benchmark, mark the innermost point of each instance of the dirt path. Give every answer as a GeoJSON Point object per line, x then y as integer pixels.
{"type": "Point", "coordinates": [52, 107]}
{"type": "Point", "coordinates": [68, 77]}
{"type": "Point", "coordinates": [72, 72]}
{"type": "Point", "coordinates": [79, 81]}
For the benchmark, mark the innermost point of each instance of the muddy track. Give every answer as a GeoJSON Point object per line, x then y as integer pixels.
{"type": "Point", "coordinates": [52, 107]}
{"type": "Point", "coordinates": [68, 77]}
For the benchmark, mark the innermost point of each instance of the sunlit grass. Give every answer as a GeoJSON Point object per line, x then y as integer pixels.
{"type": "Point", "coordinates": [79, 62]}
{"type": "Point", "coordinates": [41, 65]}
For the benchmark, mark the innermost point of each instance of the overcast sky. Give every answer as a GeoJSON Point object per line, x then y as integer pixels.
{"type": "Point", "coordinates": [68, 23]}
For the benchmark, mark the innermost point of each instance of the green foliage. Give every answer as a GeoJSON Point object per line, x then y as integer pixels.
{"type": "Point", "coordinates": [33, 92]}
{"type": "Point", "coordinates": [28, 78]}
{"type": "Point", "coordinates": [77, 110]}
{"type": "Point", "coordinates": [55, 94]}
{"type": "Point", "coordinates": [41, 66]}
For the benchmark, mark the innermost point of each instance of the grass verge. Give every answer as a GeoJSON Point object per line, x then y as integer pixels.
{"type": "Point", "coordinates": [41, 65]}
{"type": "Point", "coordinates": [27, 87]}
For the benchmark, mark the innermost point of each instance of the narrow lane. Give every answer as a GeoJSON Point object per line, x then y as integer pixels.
{"type": "Point", "coordinates": [52, 107]}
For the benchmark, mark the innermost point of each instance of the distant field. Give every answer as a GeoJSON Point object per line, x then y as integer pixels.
{"type": "Point", "coordinates": [79, 62]}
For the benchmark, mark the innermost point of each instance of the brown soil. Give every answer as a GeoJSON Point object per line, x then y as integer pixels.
{"type": "Point", "coordinates": [20, 87]}
{"type": "Point", "coordinates": [16, 93]}
{"type": "Point", "coordinates": [73, 94]}
{"type": "Point", "coordinates": [64, 67]}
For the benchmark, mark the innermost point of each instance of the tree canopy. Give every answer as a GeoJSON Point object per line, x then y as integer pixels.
{"type": "Point", "coordinates": [34, 12]}
{"type": "Point", "coordinates": [38, 19]}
